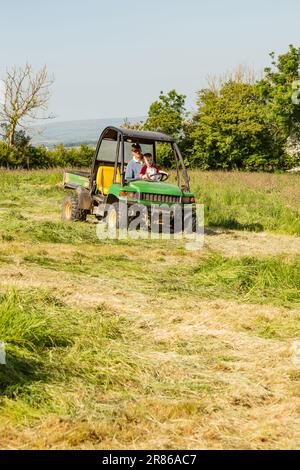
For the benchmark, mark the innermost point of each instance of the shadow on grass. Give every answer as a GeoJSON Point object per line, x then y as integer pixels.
{"type": "Point", "coordinates": [18, 373]}
{"type": "Point", "coordinates": [233, 224]}
{"type": "Point", "coordinates": [211, 233]}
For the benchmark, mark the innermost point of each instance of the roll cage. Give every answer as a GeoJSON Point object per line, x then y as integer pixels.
{"type": "Point", "coordinates": [120, 136]}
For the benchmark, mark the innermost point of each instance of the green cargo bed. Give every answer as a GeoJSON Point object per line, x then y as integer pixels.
{"type": "Point", "coordinates": [75, 178]}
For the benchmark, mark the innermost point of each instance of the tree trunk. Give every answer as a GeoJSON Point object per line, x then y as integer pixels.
{"type": "Point", "coordinates": [11, 135]}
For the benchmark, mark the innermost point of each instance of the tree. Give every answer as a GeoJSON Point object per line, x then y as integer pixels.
{"type": "Point", "coordinates": [26, 95]}
{"type": "Point", "coordinates": [231, 130]}
{"type": "Point", "coordinates": [278, 88]}
{"type": "Point", "coordinates": [293, 149]}
{"type": "Point", "coordinates": [245, 123]}
{"type": "Point", "coordinates": [137, 126]}
{"type": "Point", "coordinates": [167, 114]}
{"type": "Point", "coordinates": [21, 139]}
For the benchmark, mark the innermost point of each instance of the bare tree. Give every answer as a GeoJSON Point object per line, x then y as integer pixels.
{"type": "Point", "coordinates": [138, 126]}
{"type": "Point", "coordinates": [26, 99]}
{"type": "Point", "coordinates": [241, 74]}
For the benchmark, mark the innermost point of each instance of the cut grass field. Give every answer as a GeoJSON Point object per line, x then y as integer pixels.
{"type": "Point", "coordinates": [142, 344]}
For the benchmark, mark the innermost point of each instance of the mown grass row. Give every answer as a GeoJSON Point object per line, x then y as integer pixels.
{"type": "Point", "coordinates": [50, 346]}
{"type": "Point", "coordinates": [105, 375]}
{"type": "Point", "coordinates": [82, 365]}
{"type": "Point", "coordinates": [271, 280]}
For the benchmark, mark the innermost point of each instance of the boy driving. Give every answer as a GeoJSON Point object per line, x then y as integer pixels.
{"type": "Point", "coordinates": [149, 171]}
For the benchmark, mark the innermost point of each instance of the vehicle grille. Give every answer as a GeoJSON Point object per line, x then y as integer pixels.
{"type": "Point", "coordinates": [163, 198]}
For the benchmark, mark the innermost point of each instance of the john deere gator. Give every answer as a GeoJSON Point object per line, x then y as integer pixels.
{"type": "Point", "coordinates": [106, 183]}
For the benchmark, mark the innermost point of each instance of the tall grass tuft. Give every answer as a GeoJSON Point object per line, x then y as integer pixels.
{"type": "Point", "coordinates": [273, 281]}
{"type": "Point", "coordinates": [31, 324]}
{"type": "Point", "coordinates": [27, 322]}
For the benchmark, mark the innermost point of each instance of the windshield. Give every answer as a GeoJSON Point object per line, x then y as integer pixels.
{"type": "Point", "coordinates": [146, 148]}
{"type": "Point", "coordinates": [108, 149]}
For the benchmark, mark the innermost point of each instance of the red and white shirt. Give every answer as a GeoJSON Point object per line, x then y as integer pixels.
{"type": "Point", "coordinates": [149, 170]}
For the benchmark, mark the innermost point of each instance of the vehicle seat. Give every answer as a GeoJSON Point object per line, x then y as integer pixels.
{"type": "Point", "coordinates": [105, 177]}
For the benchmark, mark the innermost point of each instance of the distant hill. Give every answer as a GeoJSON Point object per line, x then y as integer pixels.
{"type": "Point", "coordinates": [74, 133]}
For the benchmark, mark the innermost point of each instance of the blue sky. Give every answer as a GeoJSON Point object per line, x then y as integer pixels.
{"type": "Point", "coordinates": [111, 59]}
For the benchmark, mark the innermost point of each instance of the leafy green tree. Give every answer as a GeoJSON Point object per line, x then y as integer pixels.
{"type": "Point", "coordinates": [41, 157]}
{"type": "Point", "coordinates": [280, 90]}
{"type": "Point", "coordinates": [38, 157]}
{"type": "Point", "coordinates": [231, 130]}
{"type": "Point", "coordinates": [5, 152]}
{"type": "Point", "coordinates": [22, 154]}
{"type": "Point", "coordinates": [248, 124]}
{"type": "Point", "coordinates": [167, 114]}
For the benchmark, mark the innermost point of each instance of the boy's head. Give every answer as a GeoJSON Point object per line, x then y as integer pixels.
{"type": "Point", "coordinates": [148, 159]}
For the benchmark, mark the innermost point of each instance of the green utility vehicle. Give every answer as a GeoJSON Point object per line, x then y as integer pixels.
{"type": "Point", "coordinates": [106, 183]}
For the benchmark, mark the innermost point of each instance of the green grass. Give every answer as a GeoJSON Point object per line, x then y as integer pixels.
{"type": "Point", "coordinates": [142, 344]}
{"type": "Point", "coordinates": [57, 357]}
{"type": "Point", "coordinates": [273, 281]}
{"type": "Point", "coordinates": [249, 201]}
{"type": "Point", "coordinates": [49, 344]}
{"type": "Point", "coordinates": [269, 281]}
{"type": "Point", "coordinates": [240, 201]}
{"type": "Point", "coordinates": [47, 231]}
{"type": "Point", "coordinates": [32, 324]}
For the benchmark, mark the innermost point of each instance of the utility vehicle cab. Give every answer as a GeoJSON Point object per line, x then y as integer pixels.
{"type": "Point", "coordinates": [106, 182]}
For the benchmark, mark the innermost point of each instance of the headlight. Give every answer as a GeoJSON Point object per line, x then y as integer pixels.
{"type": "Point", "coordinates": [188, 199]}
{"type": "Point", "coordinates": [129, 194]}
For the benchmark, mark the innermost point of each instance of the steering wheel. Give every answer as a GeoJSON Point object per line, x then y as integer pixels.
{"type": "Point", "coordinates": [160, 176]}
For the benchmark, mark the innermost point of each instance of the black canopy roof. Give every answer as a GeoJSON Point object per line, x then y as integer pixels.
{"type": "Point", "coordinates": [136, 136]}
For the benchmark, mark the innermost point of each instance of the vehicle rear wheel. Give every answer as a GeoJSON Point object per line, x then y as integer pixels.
{"type": "Point", "coordinates": [70, 210]}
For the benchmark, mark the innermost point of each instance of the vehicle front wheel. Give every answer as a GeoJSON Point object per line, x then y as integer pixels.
{"type": "Point", "coordinates": [191, 226]}
{"type": "Point", "coordinates": [116, 216]}
{"type": "Point", "coordinates": [70, 210]}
